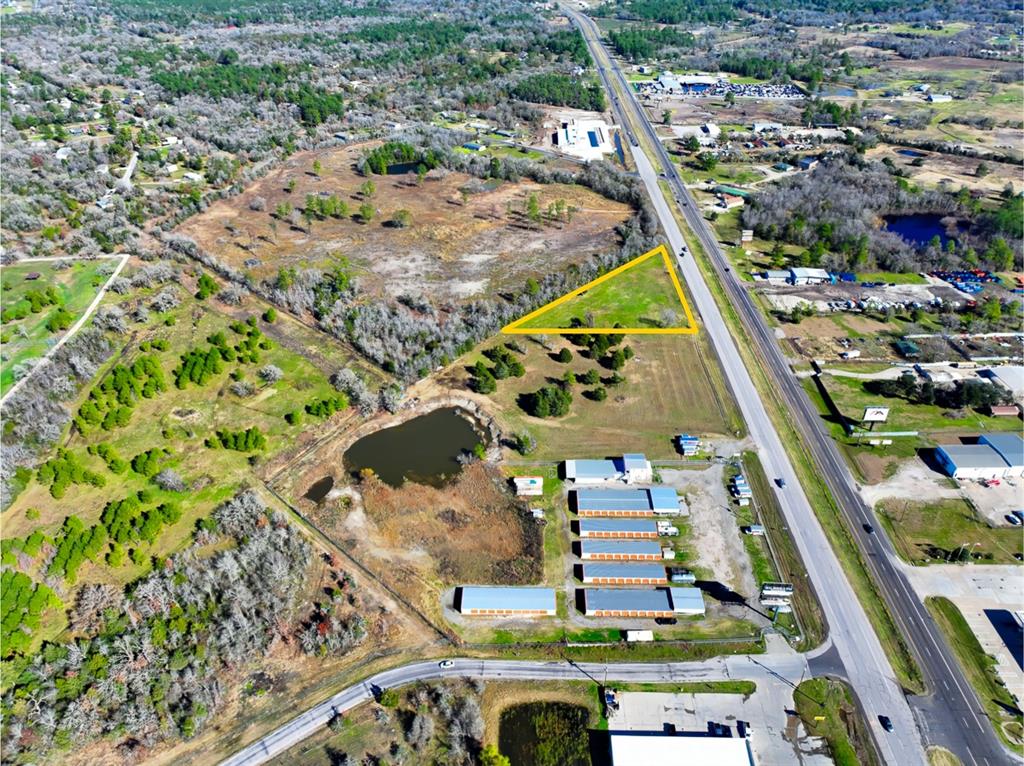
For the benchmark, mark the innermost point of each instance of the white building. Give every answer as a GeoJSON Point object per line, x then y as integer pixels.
{"type": "Point", "coordinates": [995, 456]}
{"type": "Point", "coordinates": [632, 468]}
{"type": "Point", "coordinates": [804, 276]}
{"type": "Point", "coordinates": [646, 748]}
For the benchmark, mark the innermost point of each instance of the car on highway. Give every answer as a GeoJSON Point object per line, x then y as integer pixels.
{"type": "Point", "coordinates": [446, 664]}
{"type": "Point", "coordinates": [869, 529]}
{"type": "Point", "coordinates": [779, 481]}
{"type": "Point", "coordinates": [1013, 519]}
{"type": "Point", "coordinates": [886, 722]}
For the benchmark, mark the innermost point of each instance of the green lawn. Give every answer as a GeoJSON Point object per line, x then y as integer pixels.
{"type": "Point", "coordinates": [28, 338]}
{"type": "Point", "coordinates": [641, 296]}
{"type": "Point", "coordinates": [979, 667]}
{"type": "Point", "coordinates": [896, 277]}
{"type": "Point", "coordinates": [841, 726]}
{"type": "Point", "coordinates": [926, 533]}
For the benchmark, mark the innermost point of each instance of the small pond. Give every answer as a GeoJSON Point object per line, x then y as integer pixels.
{"type": "Point", "coordinates": [838, 90]}
{"type": "Point", "coordinates": [319, 489]}
{"type": "Point", "coordinates": [918, 228]}
{"type": "Point", "coordinates": [910, 153]}
{"type": "Point", "coordinates": [545, 734]}
{"type": "Point", "coordinates": [424, 450]}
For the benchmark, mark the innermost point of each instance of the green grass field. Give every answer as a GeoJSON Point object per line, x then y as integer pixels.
{"type": "Point", "coordinates": [28, 338]}
{"type": "Point", "coordinates": [846, 734]}
{"type": "Point", "coordinates": [641, 296]}
{"type": "Point", "coordinates": [979, 667]}
{"type": "Point", "coordinates": [927, 533]}
{"type": "Point", "coordinates": [893, 277]}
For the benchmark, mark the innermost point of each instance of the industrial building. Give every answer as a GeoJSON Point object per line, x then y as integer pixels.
{"type": "Point", "coordinates": [808, 276]}
{"type": "Point", "coordinates": [506, 601]}
{"type": "Point", "coordinates": [631, 469]}
{"type": "Point", "coordinates": [618, 528]}
{"type": "Point", "coordinates": [620, 550]}
{"type": "Point", "coordinates": [652, 501]}
{"type": "Point", "coordinates": [624, 574]}
{"type": "Point", "coordinates": [647, 748]}
{"type": "Point", "coordinates": [626, 602]}
{"type": "Point", "coordinates": [687, 601]}
{"type": "Point", "coordinates": [995, 456]}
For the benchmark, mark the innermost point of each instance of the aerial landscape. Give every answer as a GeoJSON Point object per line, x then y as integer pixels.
{"type": "Point", "coordinates": [512, 383]}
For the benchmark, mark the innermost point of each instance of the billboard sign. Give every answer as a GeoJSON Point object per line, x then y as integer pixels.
{"type": "Point", "coordinates": [875, 415]}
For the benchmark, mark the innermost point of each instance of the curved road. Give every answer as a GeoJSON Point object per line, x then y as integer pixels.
{"type": "Point", "coordinates": [951, 716]}
{"type": "Point", "coordinates": [788, 667]}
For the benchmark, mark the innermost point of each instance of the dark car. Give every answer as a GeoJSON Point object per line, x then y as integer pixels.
{"type": "Point", "coordinates": [665, 620]}
{"type": "Point", "coordinates": [869, 529]}
{"type": "Point", "coordinates": [886, 723]}
{"type": "Point", "coordinates": [779, 481]}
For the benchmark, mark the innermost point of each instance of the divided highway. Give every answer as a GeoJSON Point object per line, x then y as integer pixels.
{"type": "Point", "coordinates": [951, 716]}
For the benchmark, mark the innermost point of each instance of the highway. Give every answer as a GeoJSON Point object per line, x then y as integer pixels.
{"type": "Point", "coordinates": [951, 715]}
{"type": "Point", "coordinates": [764, 668]}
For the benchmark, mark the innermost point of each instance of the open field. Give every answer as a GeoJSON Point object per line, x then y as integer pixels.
{"type": "Point", "coordinates": [29, 337]}
{"type": "Point", "coordinates": [465, 238]}
{"type": "Point", "coordinates": [980, 670]}
{"type": "Point", "coordinates": [930, 532]}
{"type": "Point", "coordinates": [673, 385]}
{"type": "Point", "coordinates": [641, 296]}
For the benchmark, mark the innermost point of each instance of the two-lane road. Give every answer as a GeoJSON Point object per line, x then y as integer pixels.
{"type": "Point", "coordinates": [764, 668]}
{"type": "Point", "coordinates": [951, 715]}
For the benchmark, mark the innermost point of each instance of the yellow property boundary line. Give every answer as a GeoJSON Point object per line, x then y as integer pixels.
{"type": "Point", "coordinates": [516, 328]}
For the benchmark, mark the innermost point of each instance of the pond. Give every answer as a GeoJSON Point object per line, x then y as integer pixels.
{"type": "Point", "coordinates": [838, 90]}
{"type": "Point", "coordinates": [910, 153]}
{"type": "Point", "coordinates": [424, 450]}
{"type": "Point", "coordinates": [545, 734]}
{"type": "Point", "coordinates": [918, 228]}
{"type": "Point", "coordinates": [319, 489]}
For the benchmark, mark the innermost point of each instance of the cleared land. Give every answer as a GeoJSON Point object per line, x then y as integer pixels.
{"type": "Point", "coordinates": [29, 337]}
{"type": "Point", "coordinates": [641, 296]}
{"type": "Point", "coordinates": [980, 670]}
{"type": "Point", "coordinates": [927, 533]}
{"type": "Point", "coordinates": [673, 385]}
{"type": "Point", "coordinates": [465, 238]}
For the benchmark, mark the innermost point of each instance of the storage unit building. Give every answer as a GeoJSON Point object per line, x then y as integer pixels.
{"type": "Point", "coordinates": [618, 528]}
{"type": "Point", "coordinates": [626, 602]}
{"type": "Point", "coordinates": [620, 550]}
{"type": "Point", "coordinates": [625, 502]}
{"type": "Point", "coordinates": [624, 574]}
{"type": "Point", "coordinates": [506, 602]}
{"type": "Point", "coordinates": [689, 601]}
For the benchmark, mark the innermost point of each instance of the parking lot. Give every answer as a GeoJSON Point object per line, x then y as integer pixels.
{"type": "Point", "coordinates": [776, 737]}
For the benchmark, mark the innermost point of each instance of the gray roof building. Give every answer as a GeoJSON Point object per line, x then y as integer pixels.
{"type": "Point", "coordinates": [1010, 448]}
{"type": "Point", "coordinates": [687, 600]}
{"type": "Point", "coordinates": [618, 527]}
{"type": "Point", "coordinates": [644, 500]}
{"type": "Point", "coordinates": [485, 600]}
{"type": "Point", "coordinates": [627, 602]}
{"type": "Point", "coordinates": [624, 573]}
{"type": "Point", "coordinates": [619, 549]}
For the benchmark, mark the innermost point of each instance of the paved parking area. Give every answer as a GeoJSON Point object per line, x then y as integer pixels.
{"type": "Point", "coordinates": [996, 501]}
{"type": "Point", "coordinates": [776, 737]}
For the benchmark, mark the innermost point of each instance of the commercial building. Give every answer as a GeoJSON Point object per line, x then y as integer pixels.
{"type": "Point", "coordinates": [650, 501]}
{"type": "Point", "coordinates": [620, 550]}
{"type": "Point", "coordinates": [971, 461]}
{"type": "Point", "coordinates": [483, 601]}
{"type": "Point", "coordinates": [619, 528]}
{"type": "Point", "coordinates": [1010, 448]}
{"type": "Point", "coordinates": [688, 601]}
{"type": "Point", "coordinates": [631, 469]}
{"type": "Point", "coordinates": [1010, 376]}
{"type": "Point", "coordinates": [624, 574]}
{"type": "Point", "coordinates": [626, 602]}
{"type": "Point", "coordinates": [647, 748]}
{"type": "Point", "coordinates": [807, 276]}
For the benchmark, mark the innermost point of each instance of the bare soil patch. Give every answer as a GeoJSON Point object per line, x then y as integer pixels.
{"type": "Point", "coordinates": [466, 238]}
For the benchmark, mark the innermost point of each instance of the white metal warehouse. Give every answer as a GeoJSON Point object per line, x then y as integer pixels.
{"type": "Point", "coordinates": [617, 528]}
{"type": "Point", "coordinates": [624, 574]}
{"type": "Point", "coordinates": [620, 550]}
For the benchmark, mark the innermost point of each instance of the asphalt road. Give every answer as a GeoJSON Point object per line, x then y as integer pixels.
{"type": "Point", "coordinates": [951, 715]}
{"type": "Point", "coordinates": [790, 668]}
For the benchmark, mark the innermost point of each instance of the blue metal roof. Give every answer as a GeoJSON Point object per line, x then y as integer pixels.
{"type": "Point", "coordinates": [645, 599]}
{"type": "Point", "coordinates": [639, 499]}
{"type": "Point", "coordinates": [532, 599]}
{"type": "Point", "coordinates": [615, 569]}
{"type": "Point", "coordinates": [632, 547]}
{"type": "Point", "coordinates": [1009, 446]}
{"type": "Point", "coordinates": [618, 525]}
{"type": "Point", "coordinates": [595, 469]}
